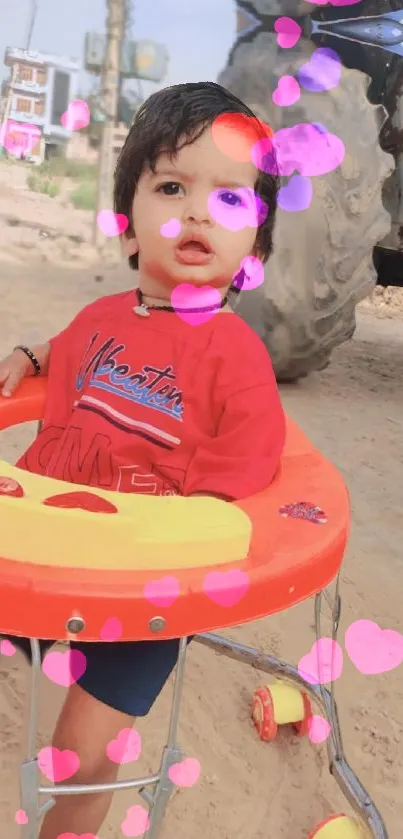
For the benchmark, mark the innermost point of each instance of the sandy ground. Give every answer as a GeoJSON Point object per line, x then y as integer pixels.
{"type": "Point", "coordinates": [353, 411]}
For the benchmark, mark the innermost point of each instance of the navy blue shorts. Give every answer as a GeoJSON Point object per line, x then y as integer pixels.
{"type": "Point", "coordinates": [126, 675]}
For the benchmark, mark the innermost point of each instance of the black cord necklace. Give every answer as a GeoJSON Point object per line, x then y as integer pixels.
{"type": "Point", "coordinates": [142, 308]}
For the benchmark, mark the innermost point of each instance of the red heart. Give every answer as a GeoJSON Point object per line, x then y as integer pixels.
{"type": "Point", "coordinates": [8, 486]}
{"type": "Point", "coordinates": [81, 500]}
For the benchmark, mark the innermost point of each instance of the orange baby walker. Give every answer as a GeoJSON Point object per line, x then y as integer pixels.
{"type": "Point", "coordinates": [180, 567]}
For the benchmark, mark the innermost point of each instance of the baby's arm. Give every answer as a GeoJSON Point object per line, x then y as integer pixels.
{"type": "Point", "coordinates": [243, 457]}
{"type": "Point", "coordinates": [18, 365]}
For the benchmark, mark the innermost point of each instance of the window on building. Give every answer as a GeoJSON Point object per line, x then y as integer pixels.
{"type": "Point", "coordinates": [25, 74]}
{"type": "Point", "coordinates": [23, 105]}
{"type": "Point", "coordinates": [39, 108]}
{"type": "Point", "coordinates": [41, 76]}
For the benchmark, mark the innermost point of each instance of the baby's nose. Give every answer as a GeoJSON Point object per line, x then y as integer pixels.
{"type": "Point", "coordinates": [197, 211]}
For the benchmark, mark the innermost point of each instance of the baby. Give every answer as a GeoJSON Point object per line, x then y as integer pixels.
{"type": "Point", "coordinates": [141, 398]}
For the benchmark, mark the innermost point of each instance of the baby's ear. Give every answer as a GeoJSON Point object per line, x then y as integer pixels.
{"type": "Point", "coordinates": [129, 243]}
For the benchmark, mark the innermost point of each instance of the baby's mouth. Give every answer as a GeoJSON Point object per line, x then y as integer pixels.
{"type": "Point", "coordinates": [194, 252]}
{"type": "Point", "coordinates": [192, 245]}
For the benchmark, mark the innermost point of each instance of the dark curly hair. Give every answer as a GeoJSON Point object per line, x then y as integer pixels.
{"type": "Point", "coordinates": [172, 118]}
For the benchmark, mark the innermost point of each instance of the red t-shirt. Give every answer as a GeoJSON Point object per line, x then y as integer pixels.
{"type": "Point", "coordinates": [155, 405]}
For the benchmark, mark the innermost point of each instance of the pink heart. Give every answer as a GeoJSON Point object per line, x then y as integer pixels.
{"type": "Point", "coordinates": [21, 817]}
{"type": "Point", "coordinates": [126, 747]}
{"type": "Point", "coordinates": [250, 212]}
{"type": "Point", "coordinates": [288, 32]}
{"type": "Point", "coordinates": [7, 648]}
{"type": "Point", "coordinates": [371, 649]}
{"type": "Point", "coordinates": [226, 588]}
{"type": "Point", "coordinates": [65, 668]}
{"type": "Point", "coordinates": [171, 228]}
{"type": "Point", "coordinates": [58, 765]}
{"type": "Point", "coordinates": [186, 773]}
{"type": "Point", "coordinates": [186, 296]}
{"type": "Point", "coordinates": [77, 116]}
{"type": "Point", "coordinates": [318, 729]}
{"type": "Point", "coordinates": [330, 670]}
{"type": "Point", "coordinates": [136, 821]}
{"type": "Point", "coordinates": [19, 137]}
{"type": "Point", "coordinates": [250, 274]}
{"type": "Point", "coordinates": [76, 836]}
{"type": "Point", "coordinates": [111, 630]}
{"type": "Point", "coordinates": [162, 592]}
{"type": "Point", "coordinates": [287, 92]}
{"type": "Point", "coordinates": [335, 2]}
{"type": "Point", "coordinates": [112, 224]}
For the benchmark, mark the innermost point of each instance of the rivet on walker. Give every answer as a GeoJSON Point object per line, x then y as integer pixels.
{"type": "Point", "coordinates": [234, 563]}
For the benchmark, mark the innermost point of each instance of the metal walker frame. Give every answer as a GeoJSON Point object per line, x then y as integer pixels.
{"type": "Point", "coordinates": [369, 817]}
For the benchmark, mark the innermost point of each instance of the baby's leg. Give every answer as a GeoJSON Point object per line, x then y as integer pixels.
{"type": "Point", "coordinates": [121, 682]}
{"type": "Point", "coordinates": [85, 726]}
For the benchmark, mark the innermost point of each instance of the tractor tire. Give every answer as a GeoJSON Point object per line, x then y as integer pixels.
{"type": "Point", "coordinates": [322, 264]}
{"type": "Point", "coordinates": [283, 7]}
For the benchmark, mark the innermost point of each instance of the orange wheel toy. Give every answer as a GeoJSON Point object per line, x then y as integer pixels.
{"type": "Point", "coordinates": [338, 827]}
{"type": "Point", "coordinates": [280, 704]}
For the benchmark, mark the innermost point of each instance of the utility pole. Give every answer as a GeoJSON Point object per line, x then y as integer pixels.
{"type": "Point", "coordinates": [110, 100]}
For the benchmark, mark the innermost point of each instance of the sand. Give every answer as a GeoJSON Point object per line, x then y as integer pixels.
{"type": "Point", "coordinates": [353, 411]}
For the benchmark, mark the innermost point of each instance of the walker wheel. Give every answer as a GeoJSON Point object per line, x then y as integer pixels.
{"type": "Point", "coordinates": [263, 714]}
{"type": "Point", "coordinates": [337, 827]}
{"type": "Point", "coordinates": [280, 704]}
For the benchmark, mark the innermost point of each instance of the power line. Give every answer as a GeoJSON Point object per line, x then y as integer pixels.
{"type": "Point", "coordinates": [34, 10]}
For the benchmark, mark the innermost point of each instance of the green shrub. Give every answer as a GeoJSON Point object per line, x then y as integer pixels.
{"type": "Point", "coordinates": [84, 196]}
{"type": "Point", "coordinates": [48, 176]}
{"type": "Point", "coordinates": [46, 186]}
{"type": "Point", "coordinates": [52, 188]}
{"type": "Point", "coordinates": [62, 167]}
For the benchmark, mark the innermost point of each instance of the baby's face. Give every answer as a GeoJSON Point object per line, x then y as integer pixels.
{"type": "Point", "coordinates": [202, 192]}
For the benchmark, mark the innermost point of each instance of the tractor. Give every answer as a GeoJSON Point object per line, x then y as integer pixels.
{"type": "Point", "coordinates": [330, 256]}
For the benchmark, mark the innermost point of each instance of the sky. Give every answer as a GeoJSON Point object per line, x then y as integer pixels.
{"type": "Point", "coordinates": [197, 33]}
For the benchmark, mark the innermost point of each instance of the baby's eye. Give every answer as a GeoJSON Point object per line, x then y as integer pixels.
{"type": "Point", "coordinates": [231, 198]}
{"type": "Point", "coordinates": [169, 188]}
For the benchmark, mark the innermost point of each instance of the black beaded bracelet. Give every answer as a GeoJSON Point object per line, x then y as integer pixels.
{"type": "Point", "coordinates": [32, 357]}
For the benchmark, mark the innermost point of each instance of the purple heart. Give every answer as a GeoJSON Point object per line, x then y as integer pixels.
{"type": "Point", "coordinates": [307, 148]}
{"type": "Point", "coordinates": [296, 195]}
{"type": "Point", "coordinates": [322, 72]}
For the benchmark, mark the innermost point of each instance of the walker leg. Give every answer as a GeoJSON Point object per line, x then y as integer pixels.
{"type": "Point", "coordinates": [29, 798]}
{"type": "Point", "coordinates": [29, 773]}
{"type": "Point", "coordinates": [371, 820]}
{"type": "Point", "coordinates": [172, 754]}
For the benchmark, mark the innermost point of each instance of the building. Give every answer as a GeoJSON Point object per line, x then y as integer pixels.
{"type": "Point", "coordinates": [37, 93]}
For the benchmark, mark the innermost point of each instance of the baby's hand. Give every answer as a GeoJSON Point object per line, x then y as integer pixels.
{"type": "Point", "coordinates": [12, 369]}
{"type": "Point", "coordinates": [17, 365]}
